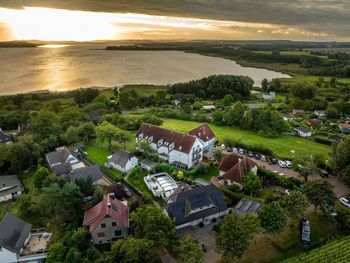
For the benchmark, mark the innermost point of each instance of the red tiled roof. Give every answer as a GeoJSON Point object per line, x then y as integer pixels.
{"type": "Point", "coordinates": [236, 167]}
{"type": "Point", "coordinates": [182, 142]}
{"type": "Point", "coordinates": [344, 125]}
{"type": "Point", "coordinates": [109, 206]}
{"type": "Point", "coordinates": [203, 132]}
{"type": "Point", "coordinates": [314, 122]}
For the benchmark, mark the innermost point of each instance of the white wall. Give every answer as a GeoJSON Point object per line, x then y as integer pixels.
{"type": "Point", "coordinates": [7, 256]}
{"type": "Point", "coordinates": [8, 197]}
{"type": "Point", "coordinates": [109, 231]}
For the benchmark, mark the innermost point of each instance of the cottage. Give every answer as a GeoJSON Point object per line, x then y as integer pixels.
{"type": "Point", "coordinates": [179, 149]}
{"type": "Point", "coordinates": [298, 112]}
{"type": "Point", "coordinates": [19, 243]}
{"type": "Point", "coordinates": [10, 187]}
{"type": "Point", "coordinates": [64, 160]}
{"type": "Point", "coordinates": [344, 127]}
{"type": "Point", "coordinates": [288, 118]}
{"type": "Point", "coordinates": [314, 122]}
{"type": "Point", "coordinates": [303, 132]}
{"type": "Point", "coordinates": [270, 96]}
{"type": "Point", "coordinates": [108, 220]}
{"type": "Point", "coordinates": [209, 107]}
{"type": "Point", "coordinates": [93, 171]}
{"type": "Point", "coordinates": [161, 185]}
{"type": "Point", "coordinates": [148, 165]}
{"type": "Point", "coordinates": [123, 161]}
{"type": "Point", "coordinates": [4, 137]}
{"type": "Point", "coordinates": [320, 113]}
{"type": "Point", "coordinates": [201, 204]}
{"type": "Point", "coordinates": [234, 167]}
{"type": "Point", "coordinates": [206, 136]}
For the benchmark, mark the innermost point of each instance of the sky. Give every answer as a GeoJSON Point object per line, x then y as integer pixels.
{"type": "Point", "coordinates": [83, 20]}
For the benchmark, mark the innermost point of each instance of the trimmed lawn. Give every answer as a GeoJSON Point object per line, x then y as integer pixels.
{"type": "Point", "coordinates": [281, 145]}
{"type": "Point", "coordinates": [144, 90]}
{"type": "Point", "coordinates": [214, 171]}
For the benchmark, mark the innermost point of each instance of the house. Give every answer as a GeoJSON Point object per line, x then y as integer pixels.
{"type": "Point", "coordinates": [344, 127]}
{"type": "Point", "coordinates": [209, 107]}
{"type": "Point", "coordinates": [246, 206]}
{"type": "Point", "coordinates": [92, 171]}
{"type": "Point", "coordinates": [4, 137]}
{"type": "Point", "coordinates": [201, 204]}
{"type": "Point", "coordinates": [298, 112]}
{"type": "Point", "coordinates": [10, 187]}
{"type": "Point", "coordinates": [303, 132]}
{"type": "Point", "coordinates": [64, 160]}
{"type": "Point", "coordinates": [270, 96]}
{"type": "Point", "coordinates": [19, 243]}
{"type": "Point", "coordinates": [234, 167]}
{"type": "Point", "coordinates": [180, 149]}
{"type": "Point", "coordinates": [162, 185]}
{"type": "Point", "coordinates": [288, 118]}
{"type": "Point", "coordinates": [108, 220]}
{"type": "Point", "coordinates": [320, 113]}
{"type": "Point", "coordinates": [256, 93]}
{"type": "Point", "coordinates": [123, 161]}
{"type": "Point", "coordinates": [206, 136]}
{"type": "Point", "coordinates": [314, 122]}
{"type": "Point", "coordinates": [148, 165]}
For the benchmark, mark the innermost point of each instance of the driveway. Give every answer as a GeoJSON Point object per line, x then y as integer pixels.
{"type": "Point", "coordinates": [275, 167]}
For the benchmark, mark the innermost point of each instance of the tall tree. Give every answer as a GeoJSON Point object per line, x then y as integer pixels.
{"type": "Point", "coordinates": [272, 217]}
{"type": "Point", "coordinates": [40, 176]}
{"type": "Point", "coordinates": [251, 183]}
{"type": "Point", "coordinates": [320, 193]}
{"type": "Point", "coordinates": [87, 131]}
{"type": "Point", "coordinates": [294, 204]}
{"type": "Point", "coordinates": [235, 234]}
{"type": "Point", "coordinates": [341, 156]}
{"type": "Point", "coordinates": [122, 137]}
{"type": "Point", "coordinates": [151, 223]}
{"type": "Point", "coordinates": [131, 250]}
{"type": "Point", "coordinates": [107, 131]}
{"type": "Point", "coordinates": [189, 251]}
{"type": "Point", "coordinates": [44, 124]}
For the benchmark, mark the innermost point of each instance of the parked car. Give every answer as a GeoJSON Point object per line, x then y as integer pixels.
{"type": "Point", "coordinates": [323, 173]}
{"type": "Point", "coordinates": [345, 201]}
{"type": "Point", "coordinates": [229, 149]}
{"type": "Point", "coordinates": [282, 164]}
{"type": "Point", "coordinates": [235, 150]}
{"type": "Point", "coordinates": [288, 164]}
{"type": "Point", "coordinates": [305, 231]}
{"type": "Point", "coordinates": [241, 151]}
{"type": "Point", "coordinates": [250, 154]}
{"type": "Point", "coordinates": [274, 161]}
{"type": "Point", "coordinates": [257, 156]}
{"type": "Point", "coordinates": [263, 158]}
{"type": "Point", "coordinates": [223, 147]}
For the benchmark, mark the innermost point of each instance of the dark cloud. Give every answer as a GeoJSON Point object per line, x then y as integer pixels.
{"type": "Point", "coordinates": [331, 17]}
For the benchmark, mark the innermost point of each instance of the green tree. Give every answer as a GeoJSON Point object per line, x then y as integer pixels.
{"type": "Point", "coordinates": [87, 131]}
{"type": "Point", "coordinates": [44, 124]}
{"type": "Point", "coordinates": [228, 100]}
{"type": "Point", "coordinates": [40, 176]}
{"type": "Point", "coordinates": [79, 238]}
{"type": "Point", "coordinates": [72, 135]}
{"type": "Point", "coordinates": [187, 108]}
{"type": "Point", "coordinates": [218, 155]}
{"type": "Point", "coordinates": [189, 251]}
{"type": "Point", "coordinates": [272, 217]}
{"type": "Point", "coordinates": [251, 183]}
{"type": "Point", "coordinates": [333, 82]}
{"type": "Point", "coordinates": [147, 151]}
{"type": "Point", "coordinates": [320, 193]}
{"type": "Point", "coordinates": [341, 156]}
{"type": "Point", "coordinates": [107, 131]}
{"type": "Point", "coordinates": [57, 253]}
{"type": "Point", "coordinates": [131, 250]}
{"type": "Point", "coordinates": [94, 111]}
{"type": "Point", "coordinates": [235, 234]}
{"type": "Point", "coordinates": [235, 116]}
{"type": "Point", "coordinates": [151, 223]}
{"type": "Point", "coordinates": [265, 85]}
{"type": "Point", "coordinates": [294, 204]}
{"type": "Point", "coordinates": [122, 137]}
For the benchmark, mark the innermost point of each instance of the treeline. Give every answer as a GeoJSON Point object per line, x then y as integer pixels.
{"type": "Point", "coordinates": [216, 87]}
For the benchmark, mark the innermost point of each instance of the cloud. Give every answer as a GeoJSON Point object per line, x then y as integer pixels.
{"type": "Point", "coordinates": [319, 17]}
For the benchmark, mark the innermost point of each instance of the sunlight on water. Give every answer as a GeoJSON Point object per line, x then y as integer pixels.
{"type": "Point", "coordinates": [53, 46]}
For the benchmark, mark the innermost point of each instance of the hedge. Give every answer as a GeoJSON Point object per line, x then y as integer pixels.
{"type": "Point", "coordinates": [290, 183]}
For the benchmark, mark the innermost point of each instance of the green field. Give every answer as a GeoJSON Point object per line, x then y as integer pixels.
{"type": "Point", "coordinates": [281, 145]}
{"type": "Point", "coordinates": [335, 251]}
{"type": "Point", "coordinates": [144, 90]}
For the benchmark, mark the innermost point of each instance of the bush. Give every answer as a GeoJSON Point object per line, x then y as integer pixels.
{"type": "Point", "coordinates": [282, 181]}
{"type": "Point", "coordinates": [234, 188]}
{"type": "Point", "coordinates": [323, 141]}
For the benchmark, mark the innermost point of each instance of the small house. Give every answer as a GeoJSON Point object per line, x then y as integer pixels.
{"type": "Point", "coordinates": [123, 161]}
{"type": "Point", "coordinates": [298, 112]}
{"type": "Point", "coordinates": [303, 132]}
{"type": "Point", "coordinates": [320, 113]}
{"type": "Point", "coordinates": [209, 107]}
{"type": "Point", "coordinates": [93, 171]}
{"type": "Point", "coordinates": [344, 127]}
{"type": "Point", "coordinates": [269, 96]}
{"type": "Point", "coordinates": [10, 187]}
{"type": "Point", "coordinates": [108, 220]}
{"type": "Point", "coordinates": [148, 165]}
{"type": "Point", "coordinates": [314, 122]}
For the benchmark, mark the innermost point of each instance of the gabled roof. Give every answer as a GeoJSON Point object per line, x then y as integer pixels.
{"type": "Point", "coordinates": [203, 132]}
{"type": "Point", "coordinates": [121, 158]}
{"type": "Point", "coordinates": [62, 168]}
{"type": "Point", "coordinates": [61, 155]}
{"type": "Point", "coordinates": [182, 142]}
{"type": "Point", "coordinates": [4, 137]}
{"type": "Point", "coordinates": [344, 126]}
{"type": "Point", "coordinates": [13, 232]}
{"type": "Point", "coordinates": [9, 184]}
{"type": "Point", "coordinates": [302, 129]}
{"type": "Point", "coordinates": [192, 199]}
{"type": "Point", "coordinates": [108, 207]}
{"type": "Point", "coordinates": [94, 171]}
{"type": "Point", "coordinates": [236, 167]}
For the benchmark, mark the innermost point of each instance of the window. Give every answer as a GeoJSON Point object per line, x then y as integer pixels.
{"type": "Point", "coordinates": [101, 234]}
{"type": "Point", "coordinates": [118, 233]}
{"type": "Point", "coordinates": [114, 223]}
{"type": "Point", "coordinates": [103, 225]}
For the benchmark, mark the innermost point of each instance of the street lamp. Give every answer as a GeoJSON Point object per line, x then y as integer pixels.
{"type": "Point", "coordinates": [293, 152]}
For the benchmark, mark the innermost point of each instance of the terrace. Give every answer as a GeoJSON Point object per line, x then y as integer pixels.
{"type": "Point", "coordinates": [162, 185]}
{"type": "Point", "coordinates": [37, 244]}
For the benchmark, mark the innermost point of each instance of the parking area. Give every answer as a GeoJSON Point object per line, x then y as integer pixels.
{"type": "Point", "coordinates": [287, 172]}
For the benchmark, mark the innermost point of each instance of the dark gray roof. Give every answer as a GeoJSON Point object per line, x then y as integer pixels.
{"type": "Point", "coordinates": [93, 171]}
{"type": "Point", "coordinates": [14, 232]}
{"type": "Point", "coordinates": [61, 155]}
{"type": "Point", "coordinates": [4, 137]}
{"type": "Point", "coordinates": [195, 198]}
{"type": "Point", "coordinates": [247, 206]}
{"type": "Point", "coordinates": [121, 158]}
{"type": "Point", "coordinates": [63, 168]}
{"type": "Point", "coordinates": [302, 129]}
{"type": "Point", "coordinates": [148, 163]}
{"type": "Point", "coordinates": [9, 184]}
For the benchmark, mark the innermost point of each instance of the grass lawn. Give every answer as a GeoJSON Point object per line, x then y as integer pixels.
{"type": "Point", "coordinates": [344, 80]}
{"type": "Point", "coordinates": [214, 171]}
{"type": "Point", "coordinates": [281, 145]}
{"type": "Point", "coordinates": [144, 90]}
